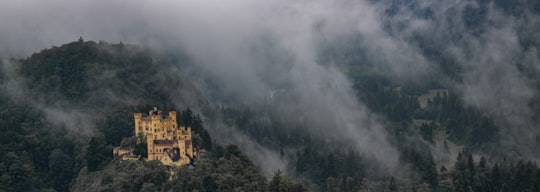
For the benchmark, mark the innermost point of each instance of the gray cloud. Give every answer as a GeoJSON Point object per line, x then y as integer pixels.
{"type": "Point", "coordinates": [498, 60]}
{"type": "Point", "coordinates": [255, 49]}
{"type": "Point", "coordinates": [268, 160]}
{"type": "Point", "coordinates": [221, 38]}
{"type": "Point", "coordinates": [57, 113]}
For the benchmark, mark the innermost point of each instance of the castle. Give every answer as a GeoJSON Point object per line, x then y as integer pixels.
{"type": "Point", "coordinates": [166, 141]}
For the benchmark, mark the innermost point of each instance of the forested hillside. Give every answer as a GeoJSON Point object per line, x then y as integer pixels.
{"type": "Point", "coordinates": [80, 81]}
{"type": "Point", "coordinates": [374, 95]}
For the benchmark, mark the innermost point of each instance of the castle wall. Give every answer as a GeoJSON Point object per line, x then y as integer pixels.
{"type": "Point", "coordinates": [120, 151]}
{"type": "Point", "coordinates": [162, 133]}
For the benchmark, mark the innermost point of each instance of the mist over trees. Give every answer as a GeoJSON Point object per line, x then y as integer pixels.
{"type": "Point", "coordinates": [42, 155]}
{"type": "Point", "coordinates": [379, 95]}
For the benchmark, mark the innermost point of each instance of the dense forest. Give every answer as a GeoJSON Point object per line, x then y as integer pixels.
{"type": "Point", "coordinates": [39, 154]}
{"type": "Point", "coordinates": [64, 108]}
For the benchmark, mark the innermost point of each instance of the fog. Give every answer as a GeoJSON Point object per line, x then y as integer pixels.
{"type": "Point", "coordinates": [255, 49]}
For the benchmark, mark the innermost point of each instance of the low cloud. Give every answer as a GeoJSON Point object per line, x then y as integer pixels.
{"type": "Point", "coordinates": [246, 51]}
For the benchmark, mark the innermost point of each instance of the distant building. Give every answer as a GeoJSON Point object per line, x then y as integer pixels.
{"type": "Point", "coordinates": [121, 151]}
{"type": "Point", "coordinates": [126, 153]}
{"type": "Point", "coordinates": [166, 141]}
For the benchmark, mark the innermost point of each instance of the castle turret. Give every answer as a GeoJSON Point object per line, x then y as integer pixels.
{"type": "Point", "coordinates": [172, 115]}
{"type": "Point", "coordinates": [138, 124]}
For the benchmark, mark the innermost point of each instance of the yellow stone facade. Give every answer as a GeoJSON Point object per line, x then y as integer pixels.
{"type": "Point", "coordinates": [121, 151]}
{"type": "Point", "coordinates": [166, 141]}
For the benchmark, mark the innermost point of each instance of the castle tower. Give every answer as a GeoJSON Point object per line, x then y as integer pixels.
{"type": "Point", "coordinates": [150, 146]}
{"type": "Point", "coordinates": [138, 125]}
{"type": "Point", "coordinates": [172, 115]}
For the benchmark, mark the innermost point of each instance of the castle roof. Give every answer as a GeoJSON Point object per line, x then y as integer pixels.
{"type": "Point", "coordinates": [163, 142]}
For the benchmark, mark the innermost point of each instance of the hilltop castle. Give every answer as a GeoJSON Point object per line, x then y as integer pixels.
{"type": "Point", "coordinates": [166, 141]}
